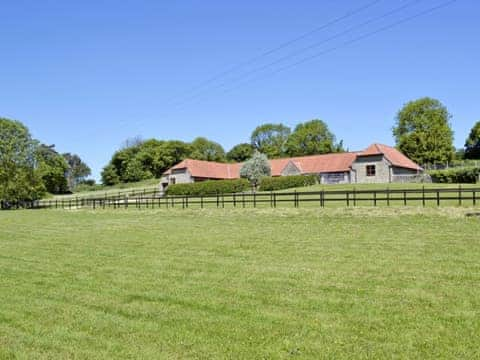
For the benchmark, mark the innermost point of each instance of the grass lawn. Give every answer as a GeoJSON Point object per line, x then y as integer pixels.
{"type": "Point", "coordinates": [244, 283]}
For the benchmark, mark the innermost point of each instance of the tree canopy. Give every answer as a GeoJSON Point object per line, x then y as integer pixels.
{"type": "Point", "coordinates": [143, 160]}
{"type": "Point", "coordinates": [77, 170]}
{"type": "Point", "coordinates": [240, 152]}
{"type": "Point", "coordinates": [472, 144]}
{"type": "Point", "coordinates": [311, 138]}
{"type": "Point", "coordinates": [271, 139]}
{"type": "Point", "coordinates": [19, 177]}
{"type": "Point", "coordinates": [53, 169]}
{"type": "Point", "coordinates": [256, 168]}
{"type": "Point", "coordinates": [422, 131]}
{"type": "Point", "coordinates": [204, 149]}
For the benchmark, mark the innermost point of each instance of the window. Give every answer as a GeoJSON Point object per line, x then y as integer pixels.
{"type": "Point", "coordinates": [371, 171]}
{"type": "Point", "coordinates": [173, 181]}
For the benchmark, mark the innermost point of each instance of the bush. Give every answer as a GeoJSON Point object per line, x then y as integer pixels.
{"type": "Point", "coordinates": [287, 182]}
{"type": "Point", "coordinates": [450, 176]}
{"type": "Point", "coordinates": [209, 187]}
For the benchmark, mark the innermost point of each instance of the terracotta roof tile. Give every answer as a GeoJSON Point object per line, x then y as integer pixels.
{"type": "Point", "coordinates": [395, 157]}
{"type": "Point", "coordinates": [314, 164]}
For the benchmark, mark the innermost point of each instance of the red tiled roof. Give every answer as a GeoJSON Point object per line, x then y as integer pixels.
{"type": "Point", "coordinates": [314, 164]}
{"type": "Point", "coordinates": [209, 169]}
{"type": "Point", "coordinates": [395, 157]}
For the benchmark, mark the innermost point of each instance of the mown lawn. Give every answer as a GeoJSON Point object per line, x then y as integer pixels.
{"type": "Point", "coordinates": [244, 283]}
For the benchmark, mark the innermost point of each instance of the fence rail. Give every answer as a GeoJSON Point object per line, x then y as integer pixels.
{"type": "Point", "coordinates": [381, 197]}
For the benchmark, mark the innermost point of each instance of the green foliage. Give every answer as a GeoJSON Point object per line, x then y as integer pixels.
{"type": "Point", "coordinates": [77, 170]}
{"type": "Point", "coordinates": [287, 182]}
{"type": "Point", "coordinates": [53, 169]}
{"type": "Point", "coordinates": [204, 149]}
{"type": "Point", "coordinates": [271, 139]}
{"type": "Point", "coordinates": [472, 144]}
{"type": "Point", "coordinates": [19, 177]}
{"type": "Point", "coordinates": [109, 175]}
{"type": "Point", "coordinates": [311, 138]}
{"type": "Point", "coordinates": [240, 152]}
{"type": "Point", "coordinates": [209, 187]}
{"type": "Point", "coordinates": [256, 168]}
{"type": "Point", "coordinates": [143, 160]}
{"type": "Point", "coordinates": [422, 132]}
{"type": "Point", "coordinates": [454, 175]}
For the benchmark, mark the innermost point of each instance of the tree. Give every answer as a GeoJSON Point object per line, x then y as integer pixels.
{"type": "Point", "coordinates": [240, 152]}
{"type": "Point", "coordinates": [256, 168]}
{"type": "Point", "coordinates": [135, 171]}
{"type": "Point", "coordinates": [77, 170]}
{"type": "Point", "coordinates": [422, 131]}
{"type": "Point", "coordinates": [150, 158]}
{"type": "Point", "coordinates": [19, 178]}
{"type": "Point", "coordinates": [311, 138]}
{"type": "Point", "coordinates": [52, 168]}
{"type": "Point", "coordinates": [204, 149]}
{"type": "Point", "coordinates": [472, 144]}
{"type": "Point", "coordinates": [271, 139]}
{"type": "Point", "coordinates": [110, 175]}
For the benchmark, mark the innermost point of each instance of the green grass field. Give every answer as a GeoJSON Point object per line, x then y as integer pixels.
{"type": "Point", "coordinates": [240, 284]}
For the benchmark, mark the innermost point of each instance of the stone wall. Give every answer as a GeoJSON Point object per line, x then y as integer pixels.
{"type": "Point", "coordinates": [382, 170]}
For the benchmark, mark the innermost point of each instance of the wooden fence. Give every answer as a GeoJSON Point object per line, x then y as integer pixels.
{"type": "Point", "coordinates": [381, 197]}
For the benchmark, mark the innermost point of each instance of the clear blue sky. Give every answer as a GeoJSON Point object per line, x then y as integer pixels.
{"type": "Point", "coordinates": [86, 75]}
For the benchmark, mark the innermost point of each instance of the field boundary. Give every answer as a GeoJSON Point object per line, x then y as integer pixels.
{"type": "Point", "coordinates": [375, 197]}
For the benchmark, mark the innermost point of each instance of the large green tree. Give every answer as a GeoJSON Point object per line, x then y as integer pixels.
{"type": "Point", "coordinates": [240, 152]}
{"type": "Point", "coordinates": [77, 170]}
{"type": "Point", "coordinates": [422, 131]}
{"type": "Point", "coordinates": [19, 178]}
{"type": "Point", "coordinates": [142, 160]}
{"type": "Point", "coordinates": [204, 149]}
{"type": "Point", "coordinates": [472, 144]}
{"type": "Point", "coordinates": [310, 138]}
{"type": "Point", "coordinates": [53, 169]}
{"type": "Point", "coordinates": [271, 139]}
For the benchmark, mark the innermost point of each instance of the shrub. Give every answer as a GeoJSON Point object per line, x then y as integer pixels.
{"type": "Point", "coordinates": [462, 175]}
{"type": "Point", "coordinates": [209, 187]}
{"type": "Point", "coordinates": [287, 182]}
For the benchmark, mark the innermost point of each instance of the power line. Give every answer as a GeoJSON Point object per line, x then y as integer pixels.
{"type": "Point", "coordinates": [314, 45]}
{"type": "Point", "coordinates": [349, 42]}
{"type": "Point", "coordinates": [283, 45]}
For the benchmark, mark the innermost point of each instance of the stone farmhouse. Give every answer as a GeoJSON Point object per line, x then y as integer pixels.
{"type": "Point", "coordinates": [377, 164]}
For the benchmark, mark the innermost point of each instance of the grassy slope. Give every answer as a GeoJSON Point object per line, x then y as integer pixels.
{"type": "Point", "coordinates": [377, 283]}
{"type": "Point", "coordinates": [111, 190]}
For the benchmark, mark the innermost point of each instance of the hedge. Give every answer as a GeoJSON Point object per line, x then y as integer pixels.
{"type": "Point", "coordinates": [287, 182]}
{"type": "Point", "coordinates": [209, 187]}
{"type": "Point", "coordinates": [450, 176]}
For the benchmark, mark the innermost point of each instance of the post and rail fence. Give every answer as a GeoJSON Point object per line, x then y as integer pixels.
{"type": "Point", "coordinates": [461, 196]}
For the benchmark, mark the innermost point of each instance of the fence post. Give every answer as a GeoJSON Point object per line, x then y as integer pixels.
{"type": "Point", "coordinates": [218, 200]}
{"type": "Point", "coordinates": [348, 198]}
{"type": "Point", "coordinates": [354, 197]}
{"type": "Point", "coordinates": [374, 198]}
{"type": "Point", "coordinates": [274, 200]}
{"type": "Point", "coordinates": [201, 201]}
{"type": "Point", "coordinates": [234, 200]}
{"type": "Point", "coordinates": [223, 200]}
{"type": "Point", "coordinates": [474, 198]}
{"type": "Point", "coordinates": [254, 199]}
{"type": "Point", "coordinates": [388, 196]}
{"type": "Point", "coordinates": [459, 195]}
{"type": "Point", "coordinates": [243, 199]}
{"type": "Point", "coordinates": [405, 198]}
{"type": "Point", "coordinates": [438, 197]}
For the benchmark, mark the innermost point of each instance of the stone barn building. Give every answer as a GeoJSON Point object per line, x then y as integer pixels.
{"type": "Point", "coordinates": [377, 164]}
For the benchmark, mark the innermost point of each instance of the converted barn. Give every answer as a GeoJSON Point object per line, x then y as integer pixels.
{"type": "Point", "coordinates": [377, 164]}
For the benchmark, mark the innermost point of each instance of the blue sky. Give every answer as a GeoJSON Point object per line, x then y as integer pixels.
{"type": "Point", "coordinates": [86, 75]}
